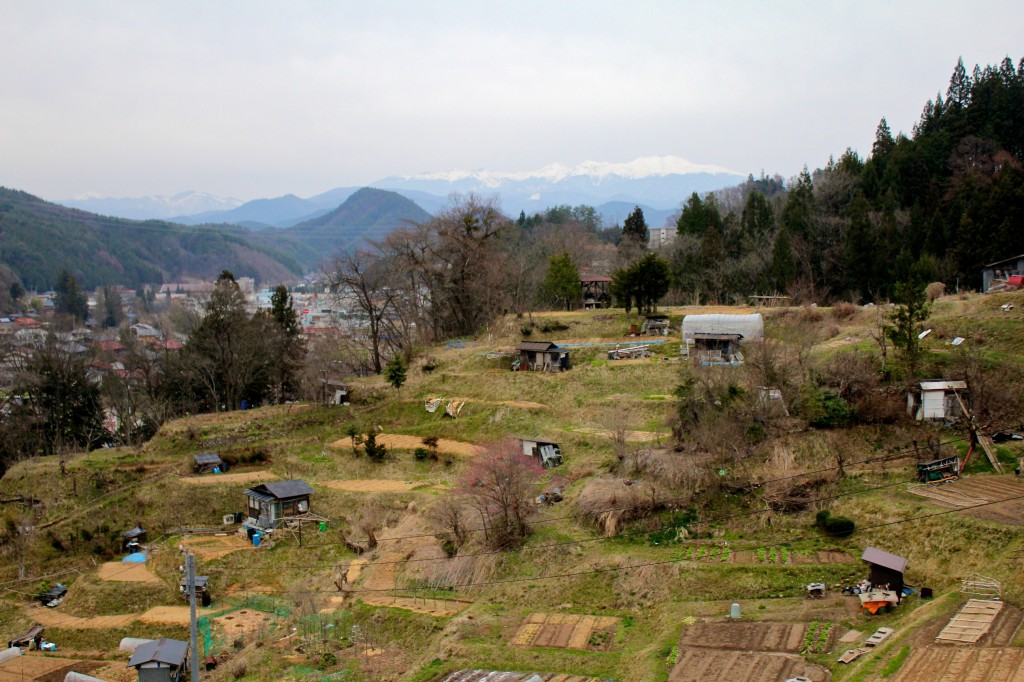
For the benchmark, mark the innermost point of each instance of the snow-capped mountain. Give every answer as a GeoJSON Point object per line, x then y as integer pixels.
{"type": "Point", "coordinates": [145, 208]}
{"type": "Point", "coordinates": [662, 182]}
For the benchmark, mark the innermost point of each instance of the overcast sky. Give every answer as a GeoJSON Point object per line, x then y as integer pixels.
{"type": "Point", "coordinates": [251, 99]}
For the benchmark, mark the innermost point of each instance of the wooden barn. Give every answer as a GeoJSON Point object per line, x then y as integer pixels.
{"type": "Point", "coordinates": [541, 356]}
{"type": "Point", "coordinates": [208, 463]}
{"type": "Point", "coordinates": [885, 569]}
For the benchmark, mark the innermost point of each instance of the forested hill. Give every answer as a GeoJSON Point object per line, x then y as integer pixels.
{"type": "Point", "coordinates": [367, 214]}
{"type": "Point", "coordinates": [39, 239]}
{"type": "Point", "coordinates": [935, 204]}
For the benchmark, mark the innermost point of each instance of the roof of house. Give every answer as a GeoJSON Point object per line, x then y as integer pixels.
{"type": "Point", "coordinates": [590, 279]}
{"type": "Point", "coordinates": [943, 385]}
{"type": "Point", "coordinates": [282, 489]}
{"type": "Point", "coordinates": [537, 346]}
{"type": "Point", "coordinates": [134, 533]}
{"type": "Point", "coordinates": [201, 581]}
{"type": "Point", "coordinates": [208, 458]}
{"type": "Point", "coordinates": [751, 326]}
{"type": "Point", "coordinates": [537, 439]}
{"type": "Point", "coordinates": [1005, 260]}
{"type": "Point", "coordinates": [163, 650]}
{"type": "Point", "coordinates": [882, 558]}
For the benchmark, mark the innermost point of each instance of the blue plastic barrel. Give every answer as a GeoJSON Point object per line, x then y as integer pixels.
{"type": "Point", "coordinates": [256, 537]}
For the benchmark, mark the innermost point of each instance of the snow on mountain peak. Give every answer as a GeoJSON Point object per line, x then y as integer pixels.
{"type": "Point", "coordinates": [643, 167]}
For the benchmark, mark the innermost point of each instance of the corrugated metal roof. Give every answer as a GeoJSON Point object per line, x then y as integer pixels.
{"type": "Point", "coordinates": [283, 489]}
{"type": "Point", "coordinates": [943, 385]}
{"type": "Point", "coordinates": [882, 558]}
{"type": "Point", "coordinates": [169, 651]}
{"type": "Point", "coordinates": [537, 346]}
{"type": "Point", "coordinates": [208, 458]}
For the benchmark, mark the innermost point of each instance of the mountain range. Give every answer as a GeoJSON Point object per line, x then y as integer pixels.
{"type": "Point", "coordinates": [659, 185]}
{"type": "Point", "coordinates": [38, 239]}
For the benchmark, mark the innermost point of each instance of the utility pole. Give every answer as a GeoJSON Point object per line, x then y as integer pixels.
{"type": "Point", "coordinates": [190, 573]}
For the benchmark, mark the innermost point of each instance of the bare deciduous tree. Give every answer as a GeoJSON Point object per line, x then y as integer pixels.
{"type": "Point", "coordinates": [500, 488]}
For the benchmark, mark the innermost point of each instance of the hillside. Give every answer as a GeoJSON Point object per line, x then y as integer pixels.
{"type": "Point", "coordinates": [628, 578]}
{"type": "Point", "coordinates": [39, 239]}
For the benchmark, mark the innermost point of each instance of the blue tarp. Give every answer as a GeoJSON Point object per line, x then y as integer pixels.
{"type": "Point", "coordinates": [136, 558]}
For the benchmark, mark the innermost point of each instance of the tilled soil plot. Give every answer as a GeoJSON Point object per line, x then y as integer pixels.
{"type": "Point", "coordinates": [974, 490]}
{"type": "Point", "coordinates": [34, 667]}
{"type": "Point", "coordinates": [700, 665]}
{"type": "Point", "coordinates": [774, 637]}
{"type": "Point", "coordinates": [566, 631]}
{"type": "Point", "coordinates": [962, 664]}
{"type": "Point", "coordinates": [396, 441]}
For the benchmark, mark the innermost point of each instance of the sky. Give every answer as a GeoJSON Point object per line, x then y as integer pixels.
{"type": "Point", "coordinates": [257, 99]}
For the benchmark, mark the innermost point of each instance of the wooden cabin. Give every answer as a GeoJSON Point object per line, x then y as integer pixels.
{"type": "Point", "coordinates": [885, 569]}
{"type": "Point", "coordinates": [270, 503]}
{"type": "Point", "coordinates": [334, 392]}
{"type": "Point", "coordinates": [541, 356]}
{"type": "Point", "coordinates": [715, 339]}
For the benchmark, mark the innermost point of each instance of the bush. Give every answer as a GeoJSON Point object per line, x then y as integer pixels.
{"type": "Point", "coordinates": [838, 526]}
{"type": "Point", "coordinates": [828, 410]}
{"type": "Point", "coordinates": [421, 454]}
{"type": "Point", "coordinates": [934, 291]}
{"type": "Point", "coordinates": [843, 310]}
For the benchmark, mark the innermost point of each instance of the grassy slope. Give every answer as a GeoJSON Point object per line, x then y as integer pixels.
{"type": "Point", "coordinates": [107, 491]}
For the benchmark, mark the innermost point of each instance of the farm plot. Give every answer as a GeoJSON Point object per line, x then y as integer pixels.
{"type": "Point", "coordinates": [955, 664]}
{"type": "Point", "coordinates": [778, 556]}
{"type": "Point", "coordinates": [378, 485]}
{"type": "Point", "coordinates": [35, 667]}
{"type": "Point", "coordinates": [396, 441]}
{"type": "Point", "coordinates": [1002, 495]}
{"type": "Point", "coordinates": [566, 631]}
{"type": "Point", "coordinates": [700, 665]}
{"type": "Point", "coordinates": [240, 477]}
{"type": "Point", "coordinates": [768, 637]}
{"type": "Point", "coordinates": [431, 607]}
{"type": "Point", "coordinates": [124, 572]}
{"type": "Point", "coordinates": [211, 547]}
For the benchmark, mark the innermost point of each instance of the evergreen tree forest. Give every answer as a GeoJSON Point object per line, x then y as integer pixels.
{"type": "Point", "coordinates": [936, 204]}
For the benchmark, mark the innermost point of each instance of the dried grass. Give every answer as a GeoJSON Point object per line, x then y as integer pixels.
{"type": "Point", "coordinates": [610, 502]}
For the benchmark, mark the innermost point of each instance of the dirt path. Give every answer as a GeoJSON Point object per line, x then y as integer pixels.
{"type": "Point", "coordinates": [240, 477]}
{"type": "Point", "coordinates": [124, 572]}
{"type": "Point", "coordinates": [379, 485]}
{"type": "Point", "coordinates": [396, 441]}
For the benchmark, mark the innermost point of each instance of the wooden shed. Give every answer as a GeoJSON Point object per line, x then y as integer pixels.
{"type": "Point", "coordinates": [715, 339]}
{"type": "Point", "coordinates": [270, 503]}
{"type": "Point", "coordinates": [885, 569]}
{"type": "Point", "coordinates": [208, 463]}
{"type": "Point", "coordinates": [541, 356]}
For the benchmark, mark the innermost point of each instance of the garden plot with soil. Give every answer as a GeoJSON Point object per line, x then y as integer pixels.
{"type": "Point", "coordinates": [125, 572]}
{"type": "Point", "coordinates": [239, 477]}
{"type": "Point", "coordinates": [1004, 492]}
{"type": "Point", "coordinates": [742, 651]}
{"type": "Point", "coordinates": [36, 666]}
{"type": "Point", "coordinates": [960, 663]}
{"type": "Point", "coordinates": [566, 631]}
{"type": "Point", "coordinates": [379, 485]}
{"type": "Point", "coordinates": [209, 547]}
{"type": "Point", "coordinates": [395, 441]}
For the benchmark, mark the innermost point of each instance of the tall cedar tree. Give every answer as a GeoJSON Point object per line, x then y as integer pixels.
{"type": "Point", "coordinates": [907, 321]}
{"type": "Point", "coordinates": [288, 347]}
{"type": "Point", "coordinates": [396, 371]}
{"type": "Point", "coordinates": [635, 227]}
{"type": "Point", "coordinates": [562, 285]}
{"type": "Point", "coordinates": [70, 299]}
{"type": "Point", "coordinates": [644, 283]}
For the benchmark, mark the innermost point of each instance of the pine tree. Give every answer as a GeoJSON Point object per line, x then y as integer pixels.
{"type": "Point", "coordinates": [635, 227]}
{"type": "Point", "coordinates": [783, 267]}
{"type": "Point", "coordinates": [396, 371]}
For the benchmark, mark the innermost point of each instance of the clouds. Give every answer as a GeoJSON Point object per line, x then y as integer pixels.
{"type": "Point", "coordinates": [250, 99]}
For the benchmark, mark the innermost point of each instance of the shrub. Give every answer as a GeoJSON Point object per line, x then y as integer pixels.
{"type": "Point", "coordinates": [840, 526]}
{"type": "Point", "coordinates": [421, 453]}
{"type": "Point", "coordinates": [934, 291]}
{"type": "Point", "coordinates": [826, 409]}
{"type": "Point", "coordinates": [374, 450]}
{"type": "Point", "coordinates": [821, 518]}
{"type": "Point", "coordinates": [843, 310]}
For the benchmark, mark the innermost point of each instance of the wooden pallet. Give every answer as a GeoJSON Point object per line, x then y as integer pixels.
{"type": "Point", "coordinates": [971, 623]}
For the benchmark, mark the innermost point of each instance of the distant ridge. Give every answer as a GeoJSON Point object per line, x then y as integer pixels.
{"type": "Point", "coordinates": [38, 239]}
